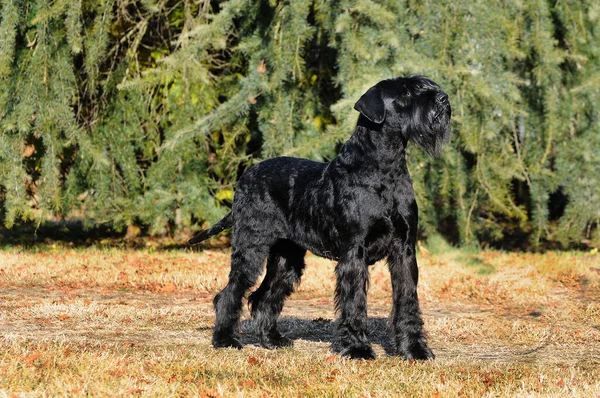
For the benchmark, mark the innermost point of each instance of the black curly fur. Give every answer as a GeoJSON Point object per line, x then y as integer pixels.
{"type": "Point", "coordinates": [357, 209]}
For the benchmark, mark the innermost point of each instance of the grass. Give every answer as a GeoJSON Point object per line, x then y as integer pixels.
{"type": "Point", "coordinates": [114, 322]}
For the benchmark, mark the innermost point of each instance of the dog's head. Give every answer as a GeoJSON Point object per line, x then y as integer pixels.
{"type": "Point", "coordinates": [414, 106]}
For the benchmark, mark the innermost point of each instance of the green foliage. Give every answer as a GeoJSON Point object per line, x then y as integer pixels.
{"type": "Point", "coordinates": [125, 112]}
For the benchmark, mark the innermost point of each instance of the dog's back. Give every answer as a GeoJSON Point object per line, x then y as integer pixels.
{"type": "Point", "coordinates": [296, 200]}
{"type": "Point", "coordinates": [281, 180]}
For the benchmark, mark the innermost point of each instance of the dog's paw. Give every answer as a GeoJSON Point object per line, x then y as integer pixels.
{"type": "Point", "coordinates": [417, 351]}
{"type": "Point", "coordinates": [275, 340]}
{"type": "Point", "coordinates": [358, 352]}
{"type": "Point", "coordinates": [226, 342]}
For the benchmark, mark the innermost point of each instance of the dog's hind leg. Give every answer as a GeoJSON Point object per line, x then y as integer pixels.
{"type": "Point", "coordinates": [351, 303]}
{"type": "Point", "coordinates": [284, 269]}
{"type": "Point", "coordinates": [247, 260]}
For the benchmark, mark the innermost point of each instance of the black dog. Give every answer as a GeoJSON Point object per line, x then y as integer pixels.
{"type": "Point", "coordinates": [356, 209]}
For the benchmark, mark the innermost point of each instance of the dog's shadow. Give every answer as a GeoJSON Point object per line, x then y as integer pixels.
{"type": "Point", "coordinates": [319, 330]}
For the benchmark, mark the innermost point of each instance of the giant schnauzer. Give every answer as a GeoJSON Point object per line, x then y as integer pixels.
{"type": "Point", "coordinates": [356, 209]}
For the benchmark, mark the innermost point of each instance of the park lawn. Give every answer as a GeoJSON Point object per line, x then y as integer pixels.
{"type": "Point", "coordinates": [121, 322]}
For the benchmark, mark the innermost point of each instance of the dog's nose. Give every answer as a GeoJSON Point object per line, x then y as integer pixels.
{"type": "Point", "coordinates": [441, 98]}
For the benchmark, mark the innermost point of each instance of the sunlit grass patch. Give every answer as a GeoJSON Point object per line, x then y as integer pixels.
{"type": "Point", "coordinates": [114, 322]}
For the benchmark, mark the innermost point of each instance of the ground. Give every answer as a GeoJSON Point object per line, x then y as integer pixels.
{"type": "Point", "coordinates": [121, 322]}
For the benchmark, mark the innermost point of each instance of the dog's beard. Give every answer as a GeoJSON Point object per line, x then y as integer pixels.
{"type": "Point", "coordinates": [430, 128]}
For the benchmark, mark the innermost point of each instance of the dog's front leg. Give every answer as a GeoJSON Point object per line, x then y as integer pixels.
{"type": "Point", "coordinates": [352, 275]}
{"type": "Point", "coordinates": [406, 322]}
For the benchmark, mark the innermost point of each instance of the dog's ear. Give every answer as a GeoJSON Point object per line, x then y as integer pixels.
{"type": "Point", "coordinates": [371, 105]}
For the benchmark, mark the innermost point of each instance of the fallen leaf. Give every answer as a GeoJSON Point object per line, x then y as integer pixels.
{"type": "Point", "coordinates": [248, 383]}
{"type": "Point", "coordinates": [28, 150]}
{"type": "Point", "coordinates": [116, 372]}
{"type": "Point", "coordinates": [31, 358]}
{"type": "Point", "coordinates": [333, 375]}
{"type": "Point", "coordinates": [252, 361]}
{"type": "Point", "coordinates": [63, 317]}
{"type": "Point", "coordinates": [123, 277]}
{"type": "Point", "coordinates": [262, 67]}
{"type": "Point", "coordinates": [210, 394]}
{"type": "Point", "coordinates": [168, 288]}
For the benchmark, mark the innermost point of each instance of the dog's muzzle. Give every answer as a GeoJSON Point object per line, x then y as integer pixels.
{"type": "Point", "coordinates": [443, 104]}
{"type": "Point", "coordinates": [444, 111]}
{"type": "Point", "coordinates": [442, 98]}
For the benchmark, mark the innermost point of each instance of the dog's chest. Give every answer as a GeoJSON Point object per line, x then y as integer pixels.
{"type": "Point", "coordinates": [378, 239]}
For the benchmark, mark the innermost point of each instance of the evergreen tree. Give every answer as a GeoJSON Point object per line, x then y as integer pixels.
{"type": "Point", "coordinates": [147, 111]}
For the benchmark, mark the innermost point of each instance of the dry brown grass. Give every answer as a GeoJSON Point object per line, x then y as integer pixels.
{"type": "Point", "coordinates": [108, 322]}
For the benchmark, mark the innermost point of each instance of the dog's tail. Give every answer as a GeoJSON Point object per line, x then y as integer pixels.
{"type": "Point", "coordinates": [226, 222]}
